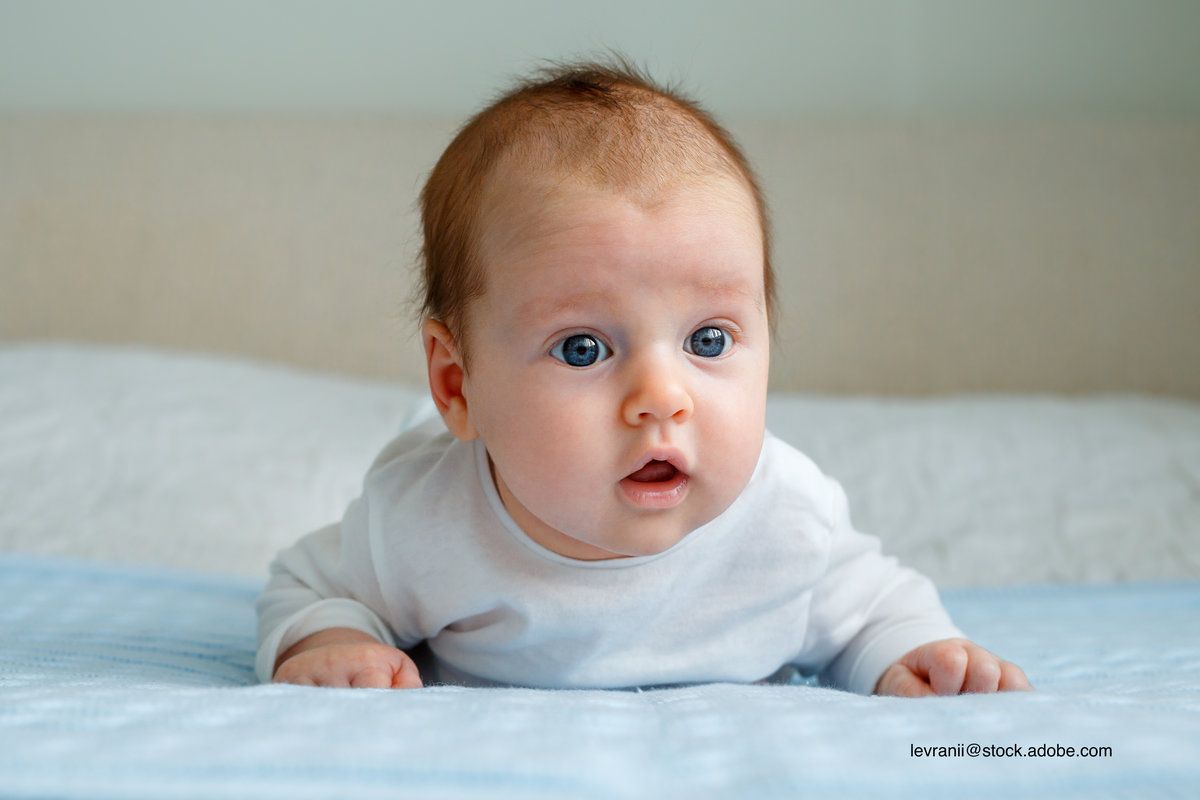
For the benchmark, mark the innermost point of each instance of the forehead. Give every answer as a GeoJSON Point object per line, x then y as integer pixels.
{"type": "Point", "coordinates": [551, 243]}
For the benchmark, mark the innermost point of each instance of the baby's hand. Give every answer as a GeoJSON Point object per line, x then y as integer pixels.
{"type": "Point", "coordinates": [358, 664]}
{"type": "Point", "coordinates": [950, 666]}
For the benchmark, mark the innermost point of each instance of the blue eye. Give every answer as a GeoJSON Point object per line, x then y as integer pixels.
{"type": "Point", "coordinates": [708, 342]}
{"type": "Point", "coordinates": [580, 350]}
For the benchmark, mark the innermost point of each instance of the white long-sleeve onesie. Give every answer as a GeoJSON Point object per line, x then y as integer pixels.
{"type": "Point", "coordinates": [429, 553]}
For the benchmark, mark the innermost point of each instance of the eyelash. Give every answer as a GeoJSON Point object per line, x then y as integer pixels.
{"type": "Point", "coordinates": [731, 334]}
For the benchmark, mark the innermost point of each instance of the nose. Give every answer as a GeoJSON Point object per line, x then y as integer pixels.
{"type": "Point", "coordinates": [657, 392]}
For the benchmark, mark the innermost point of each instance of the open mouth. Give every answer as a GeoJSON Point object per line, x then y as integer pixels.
{"type": "Point", "coordinates": [654, 472]}
{"type": "Point", "coordinates": [657, 485]}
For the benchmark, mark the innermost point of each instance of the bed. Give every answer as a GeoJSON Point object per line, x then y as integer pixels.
{"type": "Point", "coordinates": [143, 492]}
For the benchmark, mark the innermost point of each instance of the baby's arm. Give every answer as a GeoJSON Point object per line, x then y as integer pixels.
{"type": "Point", "coordinates": [884, 627]}
{"type": "Point", "coordinates": [316, 620]}
{"type": "Point", "coordinates": [950, 666]}
{"type": "Point", "coordinates": [346, 658]}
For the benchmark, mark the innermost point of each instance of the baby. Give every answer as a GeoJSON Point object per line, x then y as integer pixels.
{"type": "Point", "coordinates": [599, 504]}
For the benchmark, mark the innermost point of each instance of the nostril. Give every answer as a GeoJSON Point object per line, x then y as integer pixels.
{"type": "Point", "coordinates": [659, 399]}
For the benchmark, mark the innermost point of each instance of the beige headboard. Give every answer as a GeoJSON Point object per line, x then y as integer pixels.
{"type": "Point", "coordinates": [915, 256]}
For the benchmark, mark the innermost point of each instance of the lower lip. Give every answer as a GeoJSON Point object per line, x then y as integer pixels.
{"type": "Point", "coordinates": [663, 494]}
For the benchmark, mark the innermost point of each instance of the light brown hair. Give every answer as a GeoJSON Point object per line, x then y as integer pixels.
{"type": "Point", "coordinates": [607, 123]}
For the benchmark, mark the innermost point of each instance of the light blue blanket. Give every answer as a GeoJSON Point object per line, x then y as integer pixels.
{"type": "Point", "coordinates": [122, 682]}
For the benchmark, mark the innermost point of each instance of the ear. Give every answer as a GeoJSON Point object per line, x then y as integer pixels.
{"type": "Point", "coordinates": [446, 376]}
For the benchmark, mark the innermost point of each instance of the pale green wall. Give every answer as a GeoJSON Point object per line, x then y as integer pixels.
{"type": "Point", "coordinates": [742, 57]}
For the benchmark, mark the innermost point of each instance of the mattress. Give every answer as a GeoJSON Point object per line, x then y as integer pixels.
{"type": "Point", "coordinates": [138, 682]}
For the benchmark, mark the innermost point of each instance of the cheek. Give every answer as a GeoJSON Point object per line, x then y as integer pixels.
{"type": "Point", "coordinates": [537, 434]}
{"type": "Point", "coordinates": [731, 427]}
{"type": "Point", "coordinates": [735, 433]}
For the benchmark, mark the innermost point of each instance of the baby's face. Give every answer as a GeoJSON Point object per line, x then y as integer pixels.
{"type": "Point", "coordinates": [610, 335]}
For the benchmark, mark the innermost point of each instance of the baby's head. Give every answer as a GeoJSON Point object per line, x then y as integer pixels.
{"type": "Point", "coordinates": [598, 294]}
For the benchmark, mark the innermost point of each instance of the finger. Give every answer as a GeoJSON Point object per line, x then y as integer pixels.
{"type": "Point", "coordinates": [900, 681]}
{"type": "Point", "coordinates": [943, 664]}
{"type": "Point", "coordinates": [372, 678]}
{"type": "Point", "coordinates": [286, 675]}
{"type": "Point", "coordinates": [331, 682]}
{"type": "Point", "coordinates": [983, 671]}
{"type": "Point", "coordinates": [406, 676]}
{"type": "Point", "coordinates": [1012, 678]}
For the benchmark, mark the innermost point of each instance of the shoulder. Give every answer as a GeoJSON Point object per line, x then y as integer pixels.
{"type": "Point", "coordinates": [418, 466]}
{"type": "Point", "coordinates": [779, 456]}
{"type": "Point", "coordinates": [419, 453]}
{"type": "Point", "coordinates": [424, 440]}
{"type": "Point", "coordinates": [785, 508]}
{"type": "Point", "coordinates": [788, 479]}
{"type": "Point", "coordinates": [422, 488]}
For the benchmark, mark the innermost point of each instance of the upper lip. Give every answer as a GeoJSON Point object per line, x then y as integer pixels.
{"type": "Point", "coordinates": [671, 455]}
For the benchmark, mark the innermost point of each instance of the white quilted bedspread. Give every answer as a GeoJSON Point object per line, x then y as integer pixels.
{"type": "Point", "coordinates": [146, 456]}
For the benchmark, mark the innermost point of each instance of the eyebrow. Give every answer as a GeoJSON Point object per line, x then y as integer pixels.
{"type": "Point", "coordinates": [546, 308]}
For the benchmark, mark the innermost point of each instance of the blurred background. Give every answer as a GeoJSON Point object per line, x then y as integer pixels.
{"type": "Point", "coordinates": [966, 196]}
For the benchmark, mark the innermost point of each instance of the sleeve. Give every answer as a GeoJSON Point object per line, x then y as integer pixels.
{"type": "Point", "coordinates": [323, 581]}
{"type": "Point", "coordinates": [867, 611]}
